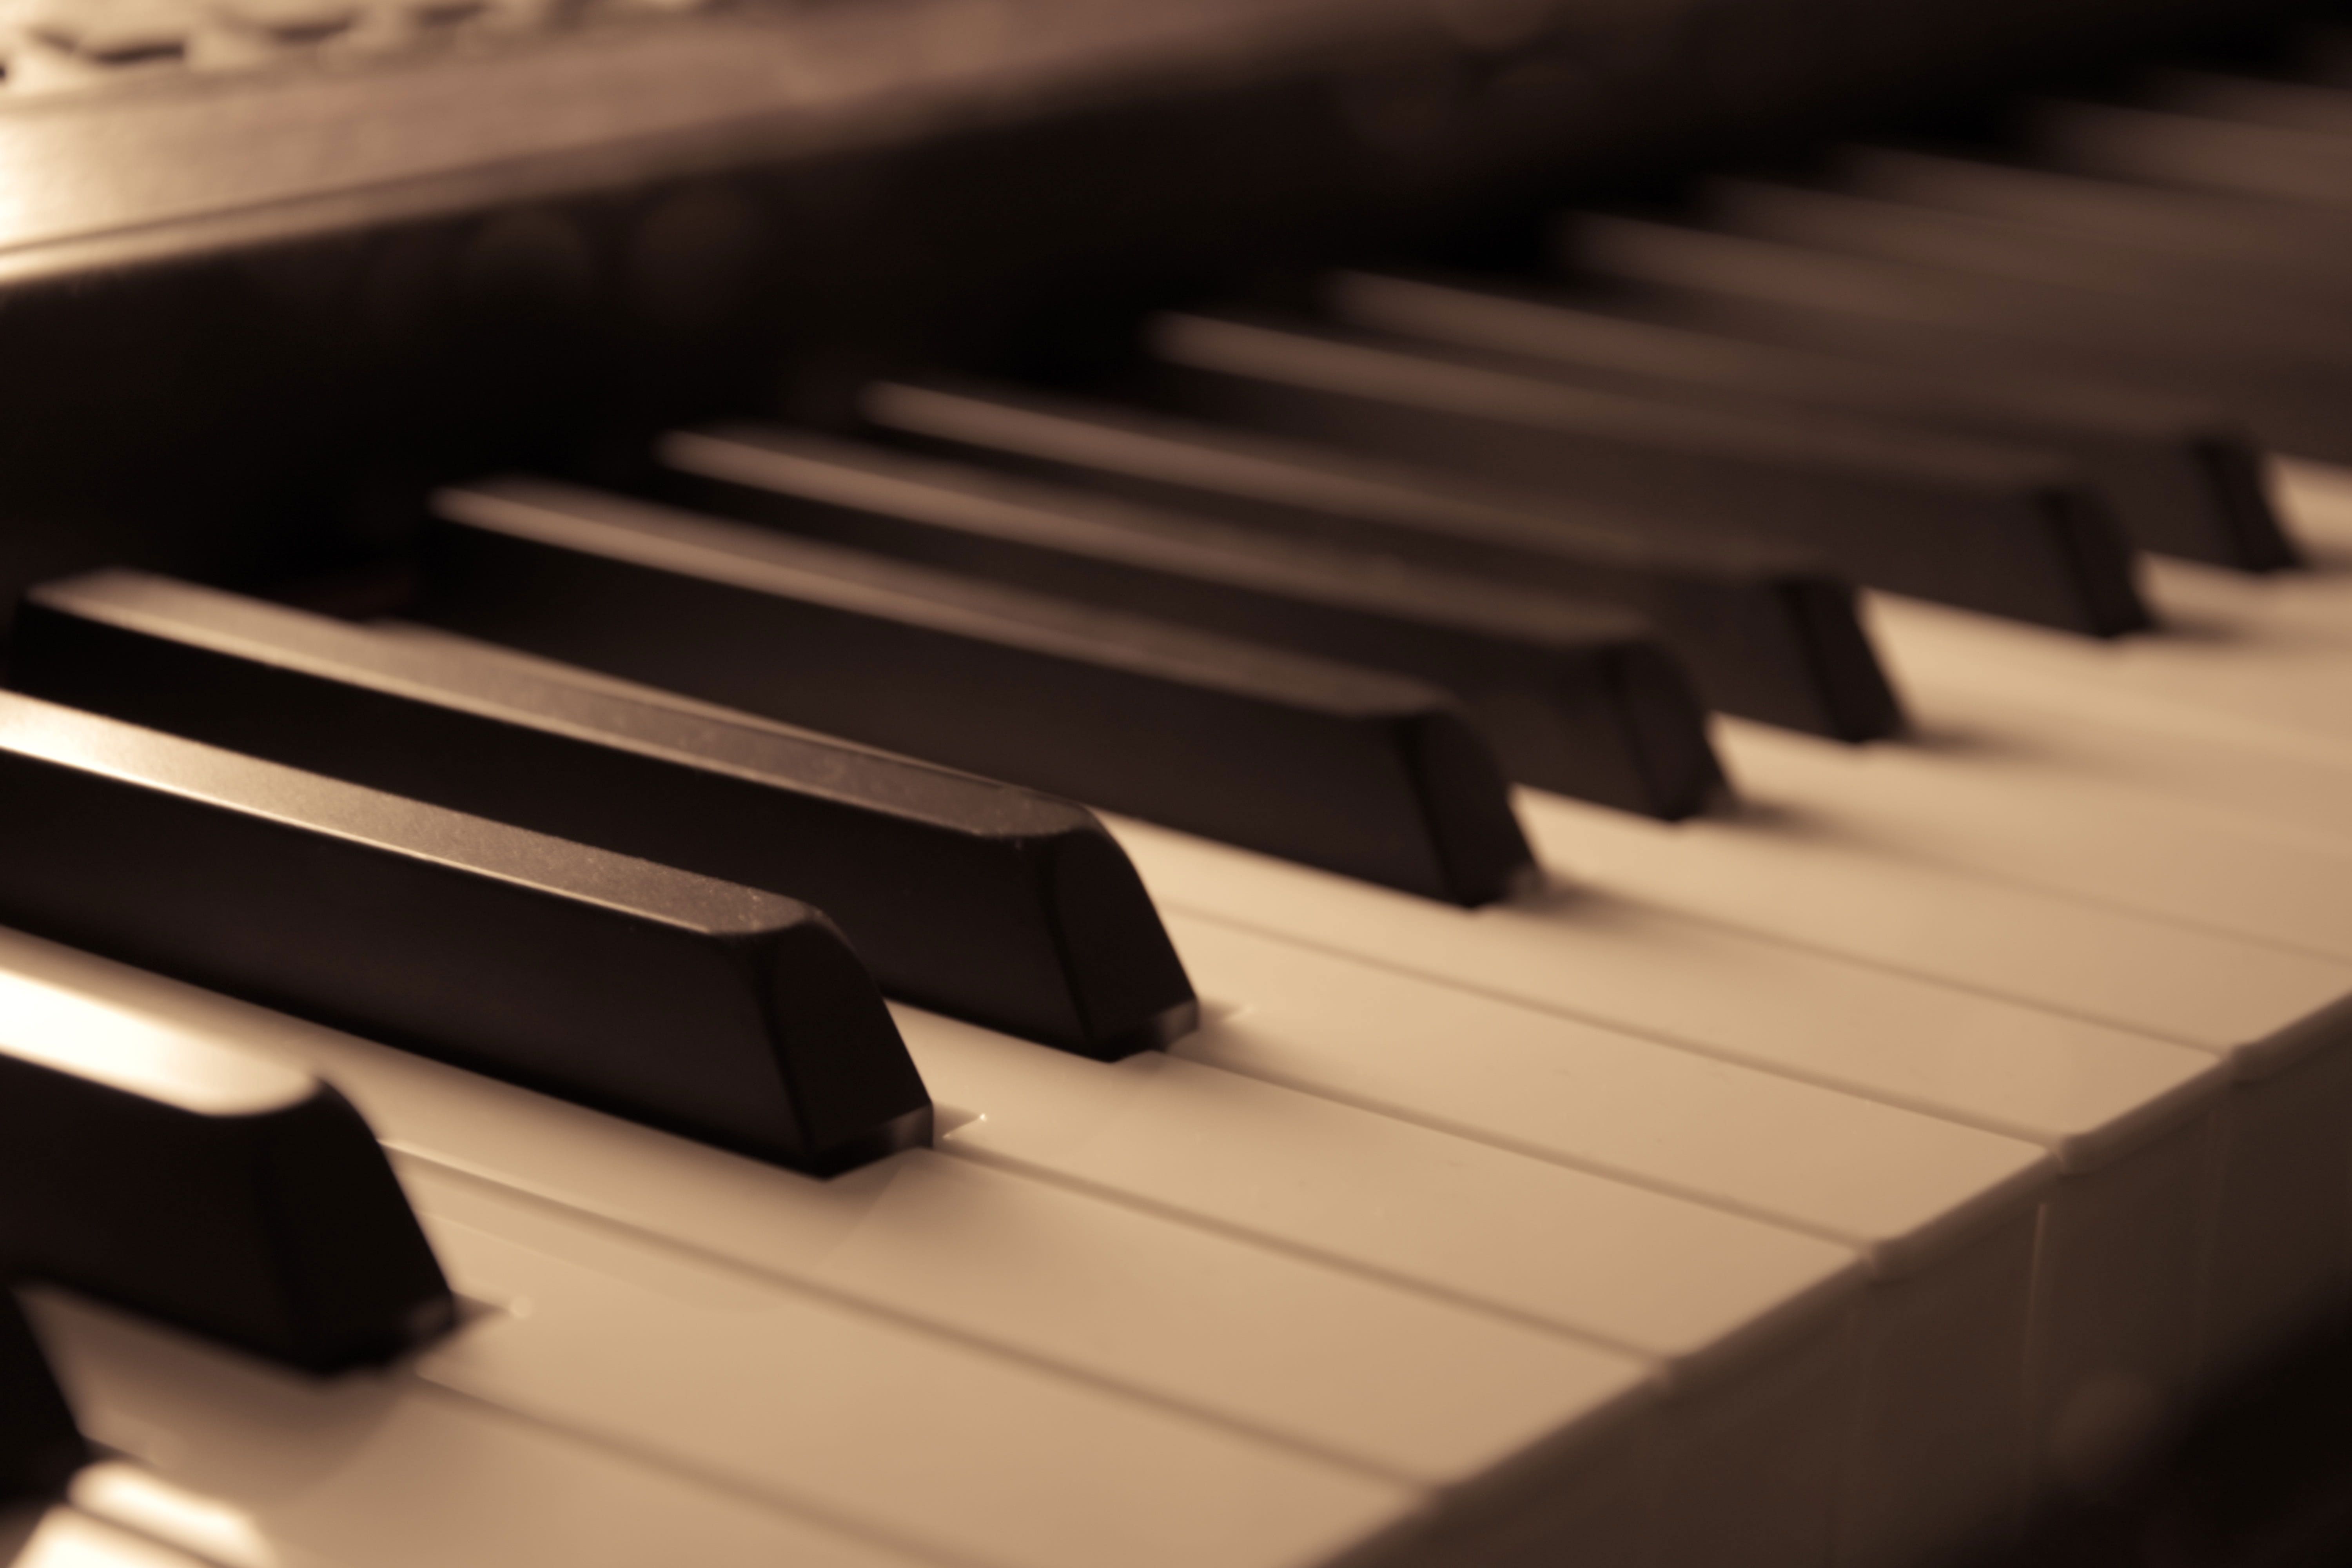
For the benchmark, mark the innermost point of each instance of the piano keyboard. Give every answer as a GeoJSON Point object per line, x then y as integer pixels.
{"type": "Point", "coordinates": [1910, 1141]}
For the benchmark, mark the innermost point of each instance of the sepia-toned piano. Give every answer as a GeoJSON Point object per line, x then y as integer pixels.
{"type": "Point", "coordinates": [1263, 783]}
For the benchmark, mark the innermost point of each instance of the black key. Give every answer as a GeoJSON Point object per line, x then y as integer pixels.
{"type": "Point", "coordinates": [1357, 770]}
{"type": "Point", "coordinates": [39, 1446]}
{"type": "Point", "coordinates": [2187, 144]}
{"type": "Point", "coordinates": [233, 1196]}
{"type": "Point", "coordinates": [970, 897]}
{"type": "Point", "coordinates": [1573, 698]}
{"type": "Point", "coordinates": [2000, 250]}
{"type": "Point", "coordinates": [1991, 529]}
{"type": "Point", "coordinates": [1765, 632]}
{"type": "Point", "coordinates": [2183, 481]}
{"type": "Point", "coordinates": [720, 1012]}
{"type": "Point", "coordinates": [2293, 389]}
{"type": "Point", "coordinates": [2231, 241]}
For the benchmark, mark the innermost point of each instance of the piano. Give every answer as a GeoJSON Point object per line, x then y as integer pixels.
{"type": "Point", "coordinates": [1705, 652]}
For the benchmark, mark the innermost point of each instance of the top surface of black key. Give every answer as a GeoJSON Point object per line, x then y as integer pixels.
{"type": "Point", "coordinates": [722, 1012]}
{"type": "Point", "coordinates": [1357, 770]}
{"type": "Point", "coordinates": [2183, 478]}
{"type": "Point", "coordinates": [2007, 530]}
{"type": "Point", "coordinates": [2293, 389]}
{"type": "Point", "coordinates": [1766, 631]}
{"type": "Point", "coordinates": [1574, 697]}
{"type": "Point", "coordinates": [231, 1195]}
{"type": "Point", "coordinates": [974, 897]}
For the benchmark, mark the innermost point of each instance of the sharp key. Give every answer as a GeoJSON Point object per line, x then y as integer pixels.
{"type": "Point", "coordinates": [1371, 775]}
{"type": "Point", "coordinates": [988, 902]}
{"type": "Point", "coordinates": [2011, 531]}
{"type": "Point", "coordinates": [726, 1013]}
{"type": "Point", "coordinates": [1573, 698]}
{"type": "Point", "coordinates": [1764, 630]}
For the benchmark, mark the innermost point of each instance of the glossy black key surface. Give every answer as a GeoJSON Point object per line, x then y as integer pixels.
{"type": "Point", "coordinates": [2194, 142]}
{"type": "Point", "coordinates": [2290, 382]}
{"type": "Point", "coordinates": [970, 897]}
{"type": "Point", "coordinates": [1765, 632]}
{"type": "Point", "coordinates": [1356, 771]}
{"type": "Point", "coordinates": [2220, 235]}
{"type": "Point", "coordinates": [2011, 533]}
{"type": "Point", "coordinates": [717, 1011]}
{"type": "Point", "coordinates": [233, 1196]}
{"type": "Point", "coordinates": [1574, 698]}
{"type": "Point", "coordinates": [39, 1446]}
{"type": "Point", "coordinates": [2183, 479]}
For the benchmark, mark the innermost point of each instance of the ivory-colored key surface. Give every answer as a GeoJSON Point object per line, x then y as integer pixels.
{"type": "Point", "coordinates": [2122, 1249]}
{"type": "Point", "coordinates": [2282, 1020]}
{"type": "Point", "coordinates": [1390, 1382]}
{"type": "Point", "coordinates": [2254, 968]}
{"type": "Point", "coordinates": [2012, 817]}
{"type": "Point", "coordinates": [1726, 1303]}
{"type": "Point", "coordinates": [2223, 739]}
{"type": "Point", "coordinates": [1945, 1215]}
{"type": "Point", "coordinates": [1749, 1323]}
{"type": "Point", "coordinates": [249, 1463]}
{"type": "Point", "coordinates": [792, 1399]}
{"type": "Point", "coordinates": [790, 1395]}
{"type": "Point", "coordinates": [2266, 653]}
{"type": "Point", "coordinates": [1787, 863]}
{"type": "Point", "coordinates": [2086, 1091]}
{"type": "Point", "coordinates": [61, 1537]}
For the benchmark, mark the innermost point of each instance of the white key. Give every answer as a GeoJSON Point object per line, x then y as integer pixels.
{"type": "Point", "coordinates": [1720, 1301]}
{"type": "Point", "coordinates": [2128, 1119]}
{"type": "Point", "coordinates": [2290, 678]}
{"type": "Point", "coordinates": [1820, 856]}
{"type": "Point", "coordinates": [1749, 1323]}
{"type": "Point", "coordinates": [2224, 743]}
{"type": "Point", "coordinates": [2003, 814]}
{"type": "Point", "coordinates": [1794, 865]}
{"type": "Point", "coordinates": [789, 1395]}
{"type": "Point", "coordinates": [384, 1472]}
{"type": "Point", "coordinates": [60, 1537]}
{"type": "Point", "coordinates": [1392, 1382]}
{"type": "Point", "coordinates": [774, 1394]}
{"type": "Point", "coordinates": [1945, 1214]}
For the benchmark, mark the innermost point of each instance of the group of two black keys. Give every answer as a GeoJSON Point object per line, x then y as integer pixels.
{"type": "Point", "coordinates": [535, 832]}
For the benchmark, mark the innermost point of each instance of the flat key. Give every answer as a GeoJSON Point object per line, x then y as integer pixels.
{"type": "Point", "coordinates": [1373, 775]}
{"type": "Point", "coordinates": [39, 1446]}
{"type": "Point", "coordinates": [1764, 631]}
{"type": "Point", "coordinates": [2181, 479]}
{"type": "Point", "coordinates": [1992, 528]}
{"type": "Point", "coordinates": [2210, 233]}
{"type": "Point", "coordinates": [2294, 389]}
{"type": "Point", "coordinates": [978, 898]}
{"type": "Point", "coordinates": [1573, 698]}
{"type": "Point", "coordinates": [231, 1195]}
{"type": "Point", "coordinates": [2184, 145]}
{"type": "Point", "coordinates": [721, 1012]}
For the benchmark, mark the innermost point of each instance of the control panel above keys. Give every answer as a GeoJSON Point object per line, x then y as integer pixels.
{"type": "Point", "coordinates": [222, 1191]}
{"type": "Point", "coordinates": [717, 1011]}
